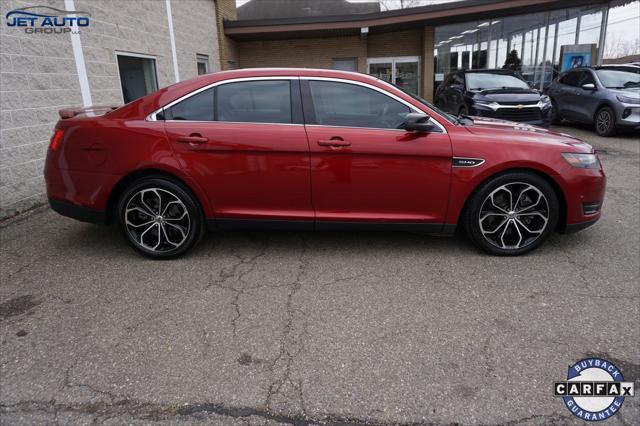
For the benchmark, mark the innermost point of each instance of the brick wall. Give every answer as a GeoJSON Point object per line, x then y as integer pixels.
{"type": "Point", "coordinates": [397, 43]}
{"type": "Point", "coordinates": [319, 52]}
{"type": "Point", "coordinates": [38, 75]}
{"type": "Point", "coordinates": [309, 53]}
{"type": "Point", "coordinates": [226, 9]}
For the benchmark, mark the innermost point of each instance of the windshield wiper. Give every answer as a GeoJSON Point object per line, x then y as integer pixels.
{"type": "Point", "coordinates": [466, 117]}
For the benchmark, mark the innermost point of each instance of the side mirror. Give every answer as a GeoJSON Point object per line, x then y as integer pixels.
{"type": "Point", "coordinates": [417, 122]}
{"type": "Point", "coordinates": [589, 86]}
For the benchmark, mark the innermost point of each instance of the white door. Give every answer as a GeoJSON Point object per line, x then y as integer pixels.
{"type": "Point", "coordinates": [402, 71]}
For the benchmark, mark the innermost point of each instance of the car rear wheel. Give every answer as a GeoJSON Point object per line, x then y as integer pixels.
{"type": "Point", "coordinates": [160, 218]}
{"type": "Point", "coordinates": [512, 213]}
{"type": "Point", "coordinates": [605, 122]}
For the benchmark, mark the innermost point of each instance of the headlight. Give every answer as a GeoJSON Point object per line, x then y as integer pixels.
{"type": "Point", "coordinates": [493, 105]}
{"type": "Point", "coordinates": [581, 161]}
{"type": "Point", "coordinates": [544, 102]}
{"type": "Point", "coordinates": [628, 100]}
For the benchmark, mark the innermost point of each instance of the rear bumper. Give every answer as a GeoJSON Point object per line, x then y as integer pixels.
{"type": "Point", "coordinates": [77, 212]}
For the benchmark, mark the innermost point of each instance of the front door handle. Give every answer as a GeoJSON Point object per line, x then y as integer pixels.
{"type": "Point", "coordinates": [193, 139]}
{"type": "Point", "coordinates": [334, 142]}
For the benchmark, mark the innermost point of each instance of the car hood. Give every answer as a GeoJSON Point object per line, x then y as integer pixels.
{"type": "Point", "coordinates": [510, 96]}
{"type": "Point", "coordinates": [631, 92]}
{"type": "Point", "coordinates": [495, 129]}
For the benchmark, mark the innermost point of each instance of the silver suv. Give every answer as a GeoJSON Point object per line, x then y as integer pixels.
{"type": "Point", "coordinates": [607, 97]}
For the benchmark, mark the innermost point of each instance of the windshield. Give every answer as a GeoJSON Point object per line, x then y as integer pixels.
{"type": "Point", "coordinates": [483, 81]}
{"type": "Point", "coordinates": [619, 78]}
{"type": "Point", "coordinates": [449, 117]}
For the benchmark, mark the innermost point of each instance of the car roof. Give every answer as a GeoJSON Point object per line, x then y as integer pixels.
{"type": "Point", "coordinates": [490, 71]}
{"type": "Point", "coordinates": [610, 66]}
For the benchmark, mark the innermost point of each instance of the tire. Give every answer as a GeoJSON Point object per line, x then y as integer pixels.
{"type": "Point", "coordinates": [554, 115]}
{"type": "Point", "coordinates": [504, 231]}
{"type": "Point", "coordinates": [605, 122]}
{"type": "Point", "coordinates": [160, 231]}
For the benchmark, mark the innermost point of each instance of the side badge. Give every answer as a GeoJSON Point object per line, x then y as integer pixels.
{"type": "Point", "coordinates": [466, 162]}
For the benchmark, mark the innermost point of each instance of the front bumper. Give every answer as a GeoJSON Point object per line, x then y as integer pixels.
{"type": "Point", "coordinates": [575, 227]}
{"type": "Point", "coordinates": [628, 117]}
{"type": "Point", "coordinates": [584, 195]}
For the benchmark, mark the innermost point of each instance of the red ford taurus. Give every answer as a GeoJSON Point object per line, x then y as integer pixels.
{"type": "Point", "coordinates": [314, 149]}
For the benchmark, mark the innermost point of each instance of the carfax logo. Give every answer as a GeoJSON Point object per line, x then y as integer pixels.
{"type": "Point", "coordinates": [46, 20]}
{"type": "Point", "coordinates": [594, 390]}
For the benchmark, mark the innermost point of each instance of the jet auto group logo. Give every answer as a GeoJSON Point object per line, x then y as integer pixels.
{"type": "Point", "coordinates": [594, 390]}
{"type": "Point", "coordinates": [47, 20]}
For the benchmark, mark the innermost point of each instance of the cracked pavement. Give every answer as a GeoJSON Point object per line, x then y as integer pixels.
{"type": "Point", "coordinates": [305, 328]}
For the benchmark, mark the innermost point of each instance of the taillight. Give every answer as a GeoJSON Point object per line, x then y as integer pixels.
{"type": "Point", "coordinates": [56, 140]}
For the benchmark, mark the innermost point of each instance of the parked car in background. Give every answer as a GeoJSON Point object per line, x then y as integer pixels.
{"type": "Point", "coordinates": [607, 97]}
{"type": "Point", "coordinates": [308, 149]}
{"type": "Point", "coordinates": [501, 94]}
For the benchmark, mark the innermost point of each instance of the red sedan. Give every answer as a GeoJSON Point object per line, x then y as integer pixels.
{"type": "Point", "coordinates": [314, 149]}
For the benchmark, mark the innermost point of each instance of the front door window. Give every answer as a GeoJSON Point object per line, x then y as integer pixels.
{"type": "Point", "coordinates": [402, 71]}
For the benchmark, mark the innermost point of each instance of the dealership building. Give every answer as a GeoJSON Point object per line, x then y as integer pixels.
{"type": "Point", "coordinates": [132, 48]}
{"type": "Point", "coordinates": [417, 46]}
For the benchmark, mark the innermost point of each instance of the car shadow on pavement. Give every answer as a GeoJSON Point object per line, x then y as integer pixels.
{"type": "Point", "coordinates": [107, 241]}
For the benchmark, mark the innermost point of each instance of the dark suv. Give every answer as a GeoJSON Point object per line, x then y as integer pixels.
{"type": "Point", "coordinates": [607, 97]}
{"type": "Point", "coordinates": [501, 94]}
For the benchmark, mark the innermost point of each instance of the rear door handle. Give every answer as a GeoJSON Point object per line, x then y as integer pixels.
{"type": "Point", "coordinates": [333, 142]}
{"type": "Point", "coordinates": [192, 139]}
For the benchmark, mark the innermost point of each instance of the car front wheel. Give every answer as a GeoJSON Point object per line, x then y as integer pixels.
{"type": "Point", "coordinates": [605, 122]}
{"type": "Point", "coordinates": [160, 218]}
{"type": "Point", "coordinates": [512, 213]}
{"type": "Point", "coordinates": [554, 115]}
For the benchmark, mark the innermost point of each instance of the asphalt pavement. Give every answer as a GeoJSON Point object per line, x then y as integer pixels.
{"type": "Point", "coordinates": [304, 328]}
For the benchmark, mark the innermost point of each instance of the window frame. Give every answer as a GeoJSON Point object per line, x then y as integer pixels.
{"type": "Point", "coordinates": [300, 87]}
{"type": "Point", "coordinates": [141, 56]}
{"type": "Point", "coordinates": [296, 102]}
{"type": "Point", "coordinates": [201, 58]}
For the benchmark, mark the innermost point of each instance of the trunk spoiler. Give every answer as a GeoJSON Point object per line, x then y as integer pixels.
{"type": "Point", "coordinates": [90, 110]}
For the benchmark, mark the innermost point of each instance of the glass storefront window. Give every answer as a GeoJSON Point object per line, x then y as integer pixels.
{"type": "Point", "coordinates": [590, 23]}
{"type": "Point", "coordinates": [531, 44]}
{"type": "Point", "coordinates": [622, 40]}
{"type": "Point", "coordinates": [566, 35]}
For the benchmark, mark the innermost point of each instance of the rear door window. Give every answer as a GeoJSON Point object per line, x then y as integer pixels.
{"type": "Point", "coordinates": [267, 101]}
